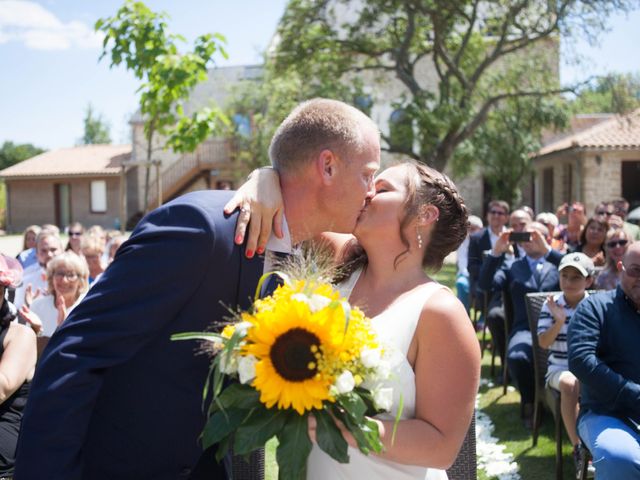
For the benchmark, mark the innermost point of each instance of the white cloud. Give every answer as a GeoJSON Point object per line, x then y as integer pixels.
{"type": "Point", "coordinates": [35, 26]}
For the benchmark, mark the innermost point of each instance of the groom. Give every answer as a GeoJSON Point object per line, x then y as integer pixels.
{"type": "Point", "coordinates": [113, 397]}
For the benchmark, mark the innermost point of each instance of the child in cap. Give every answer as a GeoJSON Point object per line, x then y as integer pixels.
{"type": "Point", "coordinates": [576, 276]}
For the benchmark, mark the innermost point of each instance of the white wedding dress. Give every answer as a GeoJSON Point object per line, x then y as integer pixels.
{"type": "Point", "coordinates": [395, 327]}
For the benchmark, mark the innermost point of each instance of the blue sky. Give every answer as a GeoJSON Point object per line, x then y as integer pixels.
{"type": "Point", "coordinates": [49, 68]}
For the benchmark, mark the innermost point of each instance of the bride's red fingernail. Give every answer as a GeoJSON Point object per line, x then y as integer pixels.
{"type": "Point", "coordinates": [249, 253]}
{"type": "Point", "coordinates": [238, 238]}
{"type": "Point", "coordinates": [260, 250]}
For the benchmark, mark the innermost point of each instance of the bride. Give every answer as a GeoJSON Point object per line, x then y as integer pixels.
{"type": "Point", "coordinates": [414, 220]}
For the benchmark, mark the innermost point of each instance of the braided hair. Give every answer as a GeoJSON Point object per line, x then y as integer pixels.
{"type": "Point", "coordinates": [431, 187]}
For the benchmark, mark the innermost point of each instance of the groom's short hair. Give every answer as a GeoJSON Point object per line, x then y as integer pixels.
{"type": "Point", "coordinates": [316, 125]}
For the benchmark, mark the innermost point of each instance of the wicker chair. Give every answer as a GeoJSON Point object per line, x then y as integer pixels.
{"type": "Point", "coordinates": [465, 465]}
{"type": "Point", "coordinates": [251, 470]}
{"type": "Point", "coordinates": [543, 394]}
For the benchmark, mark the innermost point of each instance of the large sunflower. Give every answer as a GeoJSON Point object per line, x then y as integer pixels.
{"type": "Point", "coordinates": [298, 346]}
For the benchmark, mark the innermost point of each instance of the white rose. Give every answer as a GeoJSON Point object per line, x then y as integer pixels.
{"type": "Point", "coordinates": [247, 368]}
{"type": "Point", "coordinates": [228, 363]}
{"type": "Point", "coordinates": [315, 302]}
{"type": "Point", "coordinates": [345, 382]}
{"type": "Point", "coordinates": [371, 357]}
{"type": "Point", "coordinates": [242, 327]}
{"type": "Point", "coordinates": [383, 399]}
{"type": "Point", "coordinates": [383, 369]}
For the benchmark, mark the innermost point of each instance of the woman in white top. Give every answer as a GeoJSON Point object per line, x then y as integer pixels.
{"type": "Point", "coordinates": [67, 281]}
{"type": "Point", "coordinates": [414, 220]}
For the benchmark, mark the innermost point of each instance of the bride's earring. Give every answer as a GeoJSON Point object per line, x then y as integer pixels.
{"type": "Point", "coordinates": [419, 238]}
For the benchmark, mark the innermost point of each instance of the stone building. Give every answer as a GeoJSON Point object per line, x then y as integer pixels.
{"type": "Point", "coordinates": [598, 160]}
{"type": "Point", "coordinates": [81, 184]}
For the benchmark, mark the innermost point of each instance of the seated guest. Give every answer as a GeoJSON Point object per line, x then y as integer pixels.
{"type": "Point", "coordinates": [576, 276]}
{"type": "Point", "coordinates": [27, 256]}
{"type": "Point", "coordinates": [535, 272]}
{"type": "Point", "coordinates": [17, 364]}
{"type": "Point", "coordinates": [67, 281]}
{"type": "Point", "coordinates": [569, 233]}
{"type": "Point", "coordinates": [616, 245]}
{"type": "Point", "coordinates": [93, 248]}
{"type": "Point", "coordinates": [75, 230]}
{"type": "Point", "coordinates": [518, 221]}
{"type": "Point", "coordinates": [114, 244]}
{"type": "Point", "coordinates": [621, 209]}
{"type": "Point", "coordinates": [592, 240]}
{"type": "Point", "coordinates": [462, 257]}
{"type": "Point", "coordinates": [34, 282]}
{"type": "Point", "coordinates": [604, 354]}
{"type": "Point", "coordinates": [550, 221]}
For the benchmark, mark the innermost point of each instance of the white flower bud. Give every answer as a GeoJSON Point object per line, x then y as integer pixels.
{"type": "Point", "coordinates": [315, 302]}
{"type": "Point", "coordinates": [242, 327]}
{"type": "Point", "coordinates": [345, 382]}
{"type": "Point", "coordinates": [371, 357]}
{"type": "Point", "coordinates": [383, 398]}
{"type": "Point", "coordinates": [228, 362]}
{"type": "Point", "coordinates": [247, 368]}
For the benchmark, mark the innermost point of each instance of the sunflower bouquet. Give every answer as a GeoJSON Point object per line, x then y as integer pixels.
{"type": "Point", "coordinates": [302, 351]}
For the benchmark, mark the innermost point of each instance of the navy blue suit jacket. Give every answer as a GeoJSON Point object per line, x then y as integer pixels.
{"type": "Point", "coordinates": [113, 396]}
{"type": "Point", "coordinates": [497, 275]}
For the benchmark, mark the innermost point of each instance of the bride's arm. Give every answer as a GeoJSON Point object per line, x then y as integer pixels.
{"type": "Point", "coordinates": [261, 208]}
{"type": "Point", "coordinates": [447, 373]}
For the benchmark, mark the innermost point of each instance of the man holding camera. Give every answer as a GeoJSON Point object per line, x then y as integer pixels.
{"type": "Point", "coordinates": [536, 271]}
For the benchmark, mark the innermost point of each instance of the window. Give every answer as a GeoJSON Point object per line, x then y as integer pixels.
{"type": "Point", "coordinates": [98, 196]}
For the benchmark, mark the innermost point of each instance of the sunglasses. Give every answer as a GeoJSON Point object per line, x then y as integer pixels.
{"type": "Point", "coordinates": [75, 234]}
{"type": "Point", "coordinates": [604, 212]}
{"type": "Point", "coordinates": [617, 243]}
{"type": "Point", "coordinates": [496, 212]}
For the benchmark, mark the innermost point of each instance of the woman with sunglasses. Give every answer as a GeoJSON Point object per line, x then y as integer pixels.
{"type": "Point", "coordinates": [76, 231]}
{"type": "Point", "coordinates": [67, 280]}
{"type": "Point", "coordinates": [616, 244]}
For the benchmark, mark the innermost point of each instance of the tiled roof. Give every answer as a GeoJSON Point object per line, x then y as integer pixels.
{"type": "Point", "coordinates": [614, 132]}
{"type": "Point", "coordinates": [84, 160]}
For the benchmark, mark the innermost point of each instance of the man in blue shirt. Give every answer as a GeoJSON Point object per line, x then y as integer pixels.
{"type": "Point", "coordinates": [604, 354]}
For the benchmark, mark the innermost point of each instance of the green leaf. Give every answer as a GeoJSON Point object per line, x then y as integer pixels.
{"type": "Point", "coordinates": [329, 437]}
{"type": "Point", "coordinates": [238, 395]}
{"type": "Point", "coordinates": [294, 448]}
{"type": "Point", "coordinates": [223, 448]}
{"type": "Point", "coordinates": [396, 421]}
{"type": "Point", "coordinates": [365, 431]}
{"type": "Point", "coordinates": [220, 425]}
{"type": "Point", "coordinates": [209, 336]}
{"type": "Point", "coordinates": [259, 427]}
{"type": "Point", "coordinates": [353, 404]}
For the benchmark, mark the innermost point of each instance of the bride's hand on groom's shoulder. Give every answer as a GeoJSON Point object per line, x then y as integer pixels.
{"type": "Point", "coordinates": [261, 207]}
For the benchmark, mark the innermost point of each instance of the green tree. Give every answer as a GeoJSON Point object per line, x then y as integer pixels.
{"type": "Point", "coordinates": [612, 93]}
{"type": "Point", "coordinates": [482, 53]}
{"type": "Point", "coordinates": [507, 140]}
{"type": "Point", "coordinates": [138, 38]}
{"type": "Point", "coordinates": [11, 153]}
{"type": "Point", "coordinates": [96, 129]}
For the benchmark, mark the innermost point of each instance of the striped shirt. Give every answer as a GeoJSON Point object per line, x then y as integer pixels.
{"type": "Point", "coordinates": [558, 360]}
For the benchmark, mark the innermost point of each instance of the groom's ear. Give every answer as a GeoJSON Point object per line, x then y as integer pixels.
{"type": "Point", "coordinates": [326, 166]}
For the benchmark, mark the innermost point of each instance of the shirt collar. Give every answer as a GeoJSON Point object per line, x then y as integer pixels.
{"type": "Point", "coordinates": [281, 245]}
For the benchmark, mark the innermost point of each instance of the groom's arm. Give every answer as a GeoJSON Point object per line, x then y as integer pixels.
{"type": "Point", "coordinates": [152, 277]}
